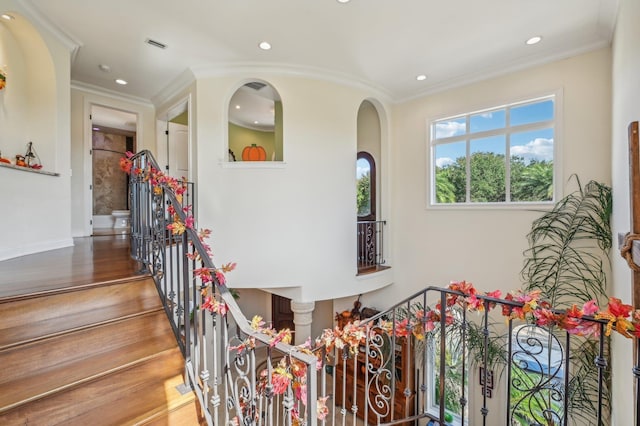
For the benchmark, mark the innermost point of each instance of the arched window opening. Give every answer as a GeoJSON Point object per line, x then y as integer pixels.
{"type": "Point", "coordinates": [255, 123]}
{"type": "Point", "coordinates": [366, 186]}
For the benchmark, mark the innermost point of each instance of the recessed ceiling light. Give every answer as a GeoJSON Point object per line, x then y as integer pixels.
{"type": "Point", "coordinates": [265, 45]}
{"type": "Point", "coordinates": [255, 122]}
{"type": "Point", "coordinates": [421, 77]}
{"type": "Point", "coordinates": [105, 68]}
{"type": "Point", "coordinates": [121, 81]}
{"type": "Point", "coordinates": [7, 17]}
{"type": "Point", "coordinates": [96, 128]}
{"type": "Point", "coordinates": [534, 40]}
{"type": "Point", "coordinates": [343, 1]}
{"type": "Point", "coordinates": [237, 106]}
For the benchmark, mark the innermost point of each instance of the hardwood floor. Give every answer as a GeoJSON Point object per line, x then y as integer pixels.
{"type": "Point", "coordinates": [84, 340]}
{"type": "Point", "coordinates": [90, 260]}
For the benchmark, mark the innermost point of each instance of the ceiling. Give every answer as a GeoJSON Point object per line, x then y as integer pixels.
{"type": "Point", "coordinates": [383, 44]}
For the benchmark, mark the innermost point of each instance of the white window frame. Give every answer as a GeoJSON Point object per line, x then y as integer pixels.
{"type": "Point", "coordinates": [432, 404]}
{"type": "Point", "coordinates": [555, 124]}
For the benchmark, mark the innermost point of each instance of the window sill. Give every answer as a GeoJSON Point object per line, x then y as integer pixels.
{"type": "Point", "coordinates": [372, 270]}
{"type": "Point", "coordinates": [533, 206]}
{"type": "Point", "coordinates": [253, 164]}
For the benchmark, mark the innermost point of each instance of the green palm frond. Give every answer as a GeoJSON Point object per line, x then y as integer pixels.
{"type": "Point", "coordinates": [568, 247]}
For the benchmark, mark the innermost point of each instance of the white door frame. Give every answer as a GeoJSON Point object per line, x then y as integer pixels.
{"type": "Point", "coordinates": [182, 105]}
{"type": "Point", "coordinates": [87, 157]}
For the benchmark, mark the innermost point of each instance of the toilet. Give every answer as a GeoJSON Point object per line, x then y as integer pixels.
{"type": "Point", "coordinates": [121, 219]}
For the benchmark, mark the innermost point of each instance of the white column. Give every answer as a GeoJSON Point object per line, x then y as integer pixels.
{"type": "Point", "coordinates": [302, 318]}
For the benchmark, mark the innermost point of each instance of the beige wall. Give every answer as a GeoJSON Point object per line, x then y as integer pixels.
{"type": "Point", "coordinates": [290, 226]}
{"type": "Point", "coordinates": [485, 245]}
{"type": "Point", "coordinates": [626, 108]}
{"type": "Point", "coordinates": [34, 108]}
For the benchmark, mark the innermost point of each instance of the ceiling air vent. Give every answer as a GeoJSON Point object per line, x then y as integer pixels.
{"type": "Point", "coordinates": [255, 85]}
{"type": "Point", "coordinates": [155, 43]}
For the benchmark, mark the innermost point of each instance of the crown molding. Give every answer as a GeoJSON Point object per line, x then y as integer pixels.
{"type": "Point", "coordinates": [499, 70]}
{"type": "Point", "coordinates": [101, 91]}
{"type": "Point", "coordinates": [175, 88]}
{"type": "Point", "coordinates": [291, 70]}
{"type": "Point", "coordinates": [37, 18]}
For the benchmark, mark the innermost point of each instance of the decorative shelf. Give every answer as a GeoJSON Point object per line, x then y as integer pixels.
{"type": "Point", "coordinates": [28, 169]}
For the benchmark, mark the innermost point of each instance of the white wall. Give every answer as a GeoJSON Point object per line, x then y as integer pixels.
{"type": "Point", "coordinates": [34, 107]}
{"type": "Point", "coordinates": [484, 246]}
{"type": "Point", "coordinates": [290, 226]}
{"type": "Point", "coordinates": [626, 108]}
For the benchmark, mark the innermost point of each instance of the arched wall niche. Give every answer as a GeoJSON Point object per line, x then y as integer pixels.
{"type": "Point", "coordinates": [28, 103]}
{"type": "Point", "coordinates": [255, 122]}
{"type": "Point", "coordinates": [370, 141]}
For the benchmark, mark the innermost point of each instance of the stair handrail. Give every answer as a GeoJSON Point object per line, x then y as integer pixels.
{"type": "Point", "coordinates": [148, 160]}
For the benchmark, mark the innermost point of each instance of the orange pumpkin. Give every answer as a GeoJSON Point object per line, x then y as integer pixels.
{"type": "Point", "coordinates": [254, 153]}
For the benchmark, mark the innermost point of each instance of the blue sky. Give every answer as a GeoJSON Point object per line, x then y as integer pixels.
{"type": "Point", "coordinates": [362, 166]}
{"type": "Point", "coordinates": [536, 144]}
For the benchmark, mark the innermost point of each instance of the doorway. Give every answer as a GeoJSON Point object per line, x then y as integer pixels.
{"type": "Point", "coordinates": [281, 313]}
{"type": "Point", "coordinates": [174, 141]}
{"type": "Point", "coordinates": [113, 133]}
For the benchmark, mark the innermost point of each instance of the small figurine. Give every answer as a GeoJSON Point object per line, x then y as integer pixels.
{"type": "Point", "coordinates": [20, 161]}
{"type": "Point", "coordinates": [3, 79]}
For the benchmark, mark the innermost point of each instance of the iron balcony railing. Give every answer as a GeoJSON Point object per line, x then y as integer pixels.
{"type": "Point", "coordinates": [416, 363]}
{"type": "Point", "coordinates": [370, 235]}
{"type": "Point", "coordinates": [232, 378]}
{"type": "Point", "coordinates": [441, 355]}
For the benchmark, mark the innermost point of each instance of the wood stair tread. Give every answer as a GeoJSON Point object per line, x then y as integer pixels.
{"type": "Point", "coordinates": [85, 340]}
{"type": "Point", "coordinates": [185, 415]}
{"type": "Point", "coordinates": [30, 319]}
{"type": "Point", "coordinates": [35, 370]}
{"type": "Point", "coordinates": [40, 289]}
{"type": "Point", "coordinates": [121, 398]}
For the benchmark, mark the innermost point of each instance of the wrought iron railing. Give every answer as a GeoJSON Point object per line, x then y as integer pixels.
{"type": "Point", "coordinates": [370, 244]}
{"type": "Point", "coordinates": [220, 367]}
{"type": "Point", "coordinates": [415, 363]}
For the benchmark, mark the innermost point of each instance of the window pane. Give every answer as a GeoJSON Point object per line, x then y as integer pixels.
{"type": "Point", "coordinates": [488, 120]}
{"type": "Point", "coordinates": [468, 171]}
{"type": "Point", "coordinates": [363, 180]}
{"type": "Point", "coordinates": [532, 165]}
{"type": "Point", "coordinates": [488, 168]}
{"type": "Point", "coordinates": [455, 370]}
{"type": "Point", "coordinates": [532, 113]}
{"type": "Point", "coordinates": [450, 185]}
{"type": "Point", "coordinates": [449, 128]}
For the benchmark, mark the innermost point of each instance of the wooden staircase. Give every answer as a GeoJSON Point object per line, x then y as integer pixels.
{"type": "Point", "coordinates": [96, 354]}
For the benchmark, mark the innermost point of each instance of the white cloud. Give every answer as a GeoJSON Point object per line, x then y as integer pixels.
{"type": "Point", "coordinates": [449, 128]}
{"type": "Point", "coordinates": [361, 171]}
{"type": "Point", "coordinates": [538, 149]}
{"type": "Point", "coordinates": [444, 161]}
